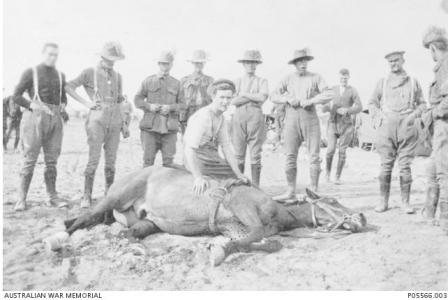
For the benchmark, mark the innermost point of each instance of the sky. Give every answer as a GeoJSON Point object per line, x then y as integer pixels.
{"type": "Point", "coordinates": [353, 34]}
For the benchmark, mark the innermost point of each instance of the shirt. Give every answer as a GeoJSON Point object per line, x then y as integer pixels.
{"type": "Point", "coordinates": [48, 85]}
{"type": "Point", "coordinates": [438, 93]}
{"type": "Point", "coordinates": [252, 85]}
{"type": "Point", "coordinates": [195, 87]}
{"type": "Point", "coordinates": [303, 87]}
{"type": "Point", "coordinates": [109, 84]}
{"type": "Point", "coordinates": [205, 128]}
{"type": "Point", "coordinates": [348, 98]}
{"type": "Point", "coordinates": [397, 93]}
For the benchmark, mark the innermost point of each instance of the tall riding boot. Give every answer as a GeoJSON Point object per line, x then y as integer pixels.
{"type": "Point", "coordinates": [256, 171]}
{"type": "Point", "coordinates": [53, 197]}
{"type": "Point", "coordinates": [241, 167]}
{"type": "Point", "coordinates": [432, 198]}
{"type": "Point", "coordinates": [25, 181]}
{"type": "Point", "coordinates": [341, 163]}
{"type": "Point", "coordinates": [443, 221]}
{"type": "Point", "coordinates": [329, 162]}
{"type": "Point", "coordinates": [384, 193]}
{"type": "Point", "coordinates": [291, 177]}
{"type": "Point", "coordinates": [86, 201]}
{"type": "Point", "coordinates": [314, 175]}
{"type": "Point", "coordinates": [405, 187]}
{"type": "Point", "coordinates": [109, 176]}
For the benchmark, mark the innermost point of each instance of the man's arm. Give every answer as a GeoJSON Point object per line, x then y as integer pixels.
{"type": "Point", "coordinates": [139, 99]}
{"type": "Point", "coordinates": [280, 95]}
{"type": "Point", "coordinates": [259, 97]}
{"type": "Point", "coordinates": [325, 95]}
{"type": "Point", "coordinates": [375, 100]}
{"type": "Point", "coordinates": [441, 110]}
{"type": "Point", "coordinates": [71, 87]}
{"type": "Point", "coordinates": [356, 108]}
{"type": "Point", "coordinates": [64, 94]}
{"type": "Point", "coordinates": [180, 100]}
{"type": "Point", "coordinates": [229, 155]}
{"type": "Point", "coordinates": [25, 84]}
{"type": "Point", "coordinates": [419, 100]}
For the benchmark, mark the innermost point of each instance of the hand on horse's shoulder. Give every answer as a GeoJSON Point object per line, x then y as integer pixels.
{"type": "Point", "coordinates": [200, 185]}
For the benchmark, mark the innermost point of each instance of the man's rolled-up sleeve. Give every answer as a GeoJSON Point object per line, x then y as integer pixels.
{"type": "Point", "coordinates": [193, 132]}
{"type": "Point", "coordinates": [80, 80]}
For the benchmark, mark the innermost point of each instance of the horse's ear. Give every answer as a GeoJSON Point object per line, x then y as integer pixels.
{"type": "Point", "coordinates": [311, 194]}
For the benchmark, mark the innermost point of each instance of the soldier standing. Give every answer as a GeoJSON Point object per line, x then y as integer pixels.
{"type": "Point", "coordinates": [42, 125]}
{"type": "Point", "coordinates": [248, 126]}
{"type": "Point", "coordinates": [436, 40]}
{"type": "Point", "coordinates": [104, 123]}
{"type": "Point", "coordinates": [344, 106]}
{"type": "Point", "coordinates": [195, 88]}
{"type": "Point", "coordinates": [301, 91]}
{"type": "Point", "coordinates": [396, 102]}
{"type": "Point", "coordinates": [161, 99]}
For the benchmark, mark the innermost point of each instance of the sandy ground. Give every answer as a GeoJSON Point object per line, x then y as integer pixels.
{"type": "Point", "coordinates": [403, 254]}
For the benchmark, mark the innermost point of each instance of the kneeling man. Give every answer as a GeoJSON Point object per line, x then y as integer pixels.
{"type": "Point", "coordinates": [206, 131]}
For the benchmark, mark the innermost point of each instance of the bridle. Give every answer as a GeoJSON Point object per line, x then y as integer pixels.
{"type": "Point", "coordinates": [338, 221]}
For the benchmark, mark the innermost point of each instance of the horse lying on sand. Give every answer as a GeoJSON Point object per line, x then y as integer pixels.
{"type": "Point", "coordinates": [161, 200]}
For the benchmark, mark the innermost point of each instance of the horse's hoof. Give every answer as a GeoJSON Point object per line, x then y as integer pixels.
{"type": "Point", "coordinates": [20, 206]}
{"type": "Point", "coordinates": [217, 255]}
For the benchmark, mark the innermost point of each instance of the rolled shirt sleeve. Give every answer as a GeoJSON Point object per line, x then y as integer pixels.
{"type": "Point", "coordinates": [194, 131]}
{"type": "Point", "coordinates": [80, 80]}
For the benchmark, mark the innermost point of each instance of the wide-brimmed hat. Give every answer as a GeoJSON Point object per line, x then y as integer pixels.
{"type": "Point", "coordinates": [198, 56]}
{"type": "Point", "coordinates": [166, 57]}
{"type": "Point", "coordinates": [112, 51]}
{"type": "Point", "coordinates": [304, 53]}
{"type": "Point", "coordinates": [394, 55]}
{"type": "Point", "coordinates": [251, 56]}
{"type": "Point", "coordinates": [434, 34]}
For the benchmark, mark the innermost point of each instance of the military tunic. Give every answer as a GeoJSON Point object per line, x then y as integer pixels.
{"type": "Point", "coordinates": [159, 131]}
{"type": "Point", "coordinates": [195, 88]}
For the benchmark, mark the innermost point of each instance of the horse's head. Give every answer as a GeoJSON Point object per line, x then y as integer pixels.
{"type": "Point", "coordinates": [328, 212]}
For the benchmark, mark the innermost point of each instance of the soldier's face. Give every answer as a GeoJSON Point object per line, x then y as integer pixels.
{"type": "Point", "coordinates": [165, 67]}
{"type": "Point", "coordinates": [107, 63]}
{"type": "Point", "coordinates": [396, 64]}
{"type": "Point", "coordinates": [344, 80]}
{"type": "Point", "coordinates": [222, 99]}
{"type": "Point", "coordinates": [198, 66]}
{"type": "Point", "coordinates": [250, 66]}
{"type": "Point", "coordinates": [50, 56]}
{"type": "Point", "coordinates": [301, 65]}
